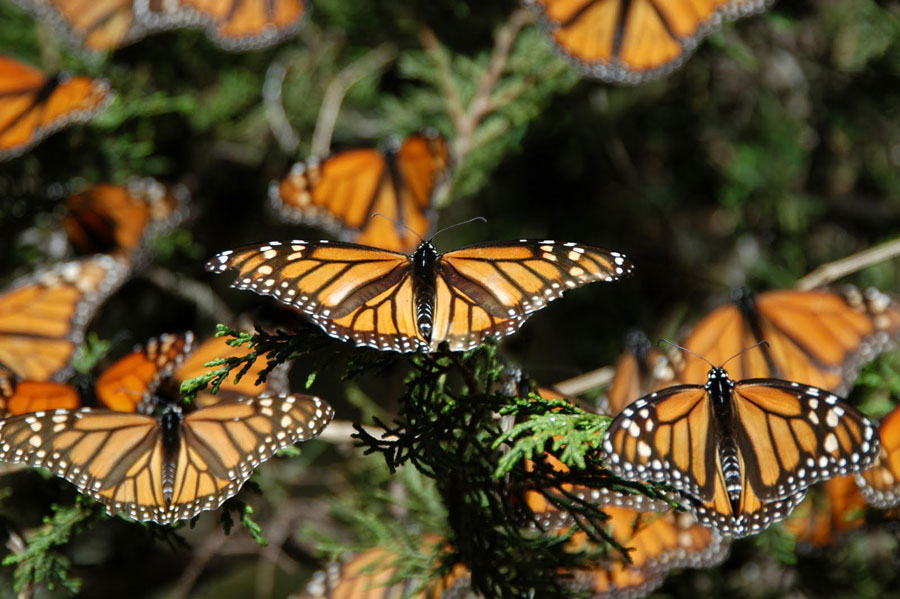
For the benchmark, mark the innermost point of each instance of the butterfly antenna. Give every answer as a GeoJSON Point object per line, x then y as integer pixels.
{"type": "Point", "coordinates": [465, 222]}
{"type": "Point", "coordinates": [746, 349]}
{"type": "Point", "coordinates": [398, 223]}
{"type": "Point", "coordinates": [681, 347]}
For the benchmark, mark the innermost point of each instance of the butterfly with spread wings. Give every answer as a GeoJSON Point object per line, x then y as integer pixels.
{"type": "Point", "coordinates": [33, 105]}
{"type": "Point", "coordinates": [343, 192]}
{"type": "Point", "coordinates": [392, 301]}
{"type": "Point", "coordinates": [630, 41]}
{"type": "Point", "coordinates": [741, 454]}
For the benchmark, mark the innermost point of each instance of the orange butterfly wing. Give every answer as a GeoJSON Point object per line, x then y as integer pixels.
{"type": "Point", "coordinates": [628, 42]}
{"type": "Point", "coordinates": [24, 397]}
{"type": "Point", "coordinates": [120, 459]}
{"type": "Point", "coordinates": [342, 192]}
{"type": "Point", "coordinates": [640, 370]}
{"type": "Point", "coordinates": [32, 105]}
{"type": "Point", "coordinates": [43, 316]}
{"type": "Point", "coordinates": [880, 485]}
{"type": "Point", "coordinates": [106, 217]}
{"type": "Point", "coordinates": [821, 518]}
{"type": "Point", "coordinates": [96, 25]}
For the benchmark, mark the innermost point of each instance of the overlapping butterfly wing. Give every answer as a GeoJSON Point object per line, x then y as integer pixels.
{"type": "Point", "coordinates": [489, 290]}
{"type": "Point", "coordinates": [880, 485]}
{"type": "Point", "coordinates": [641, 369]}
{"type": "Point", "coordinates": [108, 218]}
{"type": "Point", "coordinates": [43, 316]}
{"type": "Point", "coordinates": [787, 436]}
{"type": "Point", "coordinates": [129, 385]}
{"type": "Point", "coordinates": [120, 458]}
{"type": "Point", "coordinates": [819, 520]}
{"type": "Point", "coordinates": [631, 41]}
{"type": "Point", "coordinates": [343, 192]}
{"type": "Point", "coordinates": [33, 105]}
{"type": "Point", "coordinates": [23, 397]}
{"type": "Point", "coordinates": [95, 25]}
{"type": "Point", "coordinates": [817, 338]}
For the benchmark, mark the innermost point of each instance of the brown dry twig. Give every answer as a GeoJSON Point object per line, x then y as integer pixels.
{"type": "Point", "coordinates": [831, 272]}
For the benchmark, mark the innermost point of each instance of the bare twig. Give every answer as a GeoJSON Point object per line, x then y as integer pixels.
{"type": "Point", "coordinates": [587, 381]}
{"type": "Point", "coordinates": [337, 89]}
{"type": "Point", "coordinates": [274, 109]}
{"type": "Point", "coordinates": [199, 294]}
{"type": "Point", "coordinates": [831, 272]}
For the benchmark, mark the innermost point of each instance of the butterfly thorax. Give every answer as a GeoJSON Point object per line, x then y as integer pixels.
{"type": "Point", "coordinates": [720, 387]}
{"type": "Point", "coordinates": [170, 425]}
{"type": "Point", "coordinates": [424, 262]}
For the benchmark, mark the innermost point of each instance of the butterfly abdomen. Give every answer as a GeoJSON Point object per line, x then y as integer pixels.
{"type": "Point", "coordinates": [170, 423]}
{"type": "Point", "coordinates": [424, 277]}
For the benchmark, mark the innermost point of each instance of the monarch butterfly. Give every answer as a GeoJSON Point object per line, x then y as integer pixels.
{"type": "Point", "coordinates": [880, 485]}
{"type": "Point", "coordinates": [167, 467]}
{"type": "Point", "coordinates": [820, 519]}
{"type": "Point", "coordinates": [342, 192]}
{"type": "Point", "coordinates": [741, 454]}
{"type": "Point", "coordinates": [393, 301]}
{"type": "Point", "coordinates": [656, 543]}
{"type": "Point", "coordinates": [108, 218]}
{"type": "Point", "coordinates": [818, 338]}
{"type": "Point", "coordinates": [23, 397]}
{"type": "Point", "coordinates": [234, 24]}
{"type": "Point", "coordinates": [639, 370]}
{"type": "Point", "coordinates": [95, 25]}
{"type": "Point", "coordinates": [34, 105]}
{"type": "Point", "coordinates": [373, 575]}
{"type": "Point", "coordinates": [43, 316]}
{"type": "Point", "coordinates": [622, 41]}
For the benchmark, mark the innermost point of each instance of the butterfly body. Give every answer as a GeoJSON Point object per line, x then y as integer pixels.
{"type": "Point", "coordinates": [425, 262]}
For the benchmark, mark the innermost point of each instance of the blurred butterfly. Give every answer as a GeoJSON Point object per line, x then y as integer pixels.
{"type": "Point", "coordinates": [393, 301]}
{"type": "Point", "coordinates": [163, 467]}
{"type": "Point", "coordinates": [133, 382]}
{"type": "Point", "coordinates": [43, 316]}
{"type": "Point", "coordinates": [817, 338]}
{"type": "Point", "coordinates": [741, 454]}
{"type": "Point", "coordinates": [23, 397]}
{"type": "Point", "coordinates": [656, 544]}
{"type": "Point", "coordinates": [34, 105]}
{"type": "Point", "coordinates": [880, 485]}
{"type": "Point", "coordinates": [109, 218]}
{"type": "Point", "coordinates": [95, 25]}
{"type": "Point", "coordinates": [341, 193]}
{"type": "Point", "coordinates": [373, 575]}
{"type": "Point", "coordinates": [820, 519]}
{"type": "Point", "coordinates": [235, 25]}
{"type": "Point", "coordinates": [629, 41]}
{"type": "Point", "coordinates": [639, 370]}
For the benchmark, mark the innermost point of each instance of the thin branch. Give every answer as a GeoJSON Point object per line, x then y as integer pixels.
{"type": "Point", "coordinates": [587, 381]}
{"type": "Point", "coordinates": [274, 109]}
{"type": "Point", "coordinates": [338, 88]}
{"type": "Point", "coordinates": [198, 293]}
{"type": "Point", "coordinates": [339, 431]}
{"type": "Point", "coordinates": [831, 272]}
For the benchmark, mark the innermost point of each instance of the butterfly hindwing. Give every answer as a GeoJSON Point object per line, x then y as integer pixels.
{"type": "Point", "coordinates": [880, 485]}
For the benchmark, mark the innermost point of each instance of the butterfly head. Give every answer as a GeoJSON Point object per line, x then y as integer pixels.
{"type": "Point", "coordinates": [424, 257]}
{"type": "Point", "coordinates": [718, 379]}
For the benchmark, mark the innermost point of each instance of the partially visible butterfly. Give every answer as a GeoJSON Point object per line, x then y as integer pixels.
{"type": "Point", "coordinates": [43, 316]}
{"type": "Point", "coordinates": [95, 25]}
{"type": "Point", "coordinates": [817, 338]}
{"type": "Point", "coordinates": [880, 485]}
{"type": "Point", "coordinates": [629, 41]}
{"type": "Point", "coordinates": [33, 105]}
{"type": "Point", "coordinates": [23, 397]}
{"type": "Point", "coordinates": [109, 218]}
{"type": "Point", "coordinates": [373, 575]}
{"type": "Point", "coordinates": [639, 370]}
{"type": "Point", "coordinates": [820, 520]}
{"type": "Point", "coordinates": [393, 301]}
{"type": "Point", "coordinates": [342, 192]}
{"type": "Point", "coordinates": [741, 454]}
{"type": "Point", "coordinates": [236, 25]}
{"type": "Point", "coordinates": [656, 544]}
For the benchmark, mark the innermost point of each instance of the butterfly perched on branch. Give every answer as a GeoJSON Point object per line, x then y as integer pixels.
{"type": "Point", "coordinates": [397, 302]}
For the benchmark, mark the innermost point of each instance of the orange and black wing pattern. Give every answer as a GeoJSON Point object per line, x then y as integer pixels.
{"type": "Point", "coordinates": [129, 385]}
{"type": "Point", "coordinates": [656, 544]}
{"type": "Point", "coordinates": [640, 370]}
{"type": "Point", "coordinates": [24, 397]}
{"type": "Point", "coordinates": [95, 25]}
{"type": "Point", "coordinates": [33, 105]}
{"type": "Point", "coordinates": [820, 520]}
{"type": "Point", "coordinates": [629, 41]}
{"type": "Point", "coordinates": [235, 25]}
{"type": "Point", "coordinates": [880, 485]}
{"type": "Point", "coordinates": [817, 338]}
{"type": "Point", "coordinates": [122, 460]}
{"type": "Point", "coordinates": [43, 316]}
{"type": "Point", "coordinates": [743, 461]}
{"type": "Point", "coordinates": [343, 192]}
{"type": "Point", "coordinates": [110, 218]}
